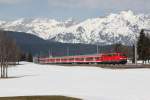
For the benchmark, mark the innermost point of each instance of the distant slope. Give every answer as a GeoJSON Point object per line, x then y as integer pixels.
{"type": "Point", "coordinates": [29, 42]}
{"type": "Point", "coordinates": [39, 46]}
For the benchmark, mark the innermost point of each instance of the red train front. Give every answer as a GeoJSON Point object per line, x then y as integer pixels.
{"type": "Point", "coordinates": [114, 58]}
{"type": "Point", "coordinates": [105, 58]}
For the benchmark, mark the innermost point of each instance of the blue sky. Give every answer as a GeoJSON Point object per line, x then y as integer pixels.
{"type": "Point", "coordinates": [64, 9]}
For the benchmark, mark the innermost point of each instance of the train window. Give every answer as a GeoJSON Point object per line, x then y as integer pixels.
{"type": "Point", "coordinates": [63, 59]}
{"type": "Point", "coordinates": [76, 58]}
{"type": "Point", "coordinates": [50, 59]}
{"type": "Point", "coordinates": [89, 58]}
{"type": "Point", "coordinates": [80, 59]}
{"type": "Point", "coordinates": [57, 59]}
{"type": "Point", "coordinates": [97, 58]}
{"type": "Point", "coordinates": [71, 58]}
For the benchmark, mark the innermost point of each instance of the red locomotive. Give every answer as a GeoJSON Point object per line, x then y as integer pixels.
{"type": "Point", "coordinates": [105, 58]}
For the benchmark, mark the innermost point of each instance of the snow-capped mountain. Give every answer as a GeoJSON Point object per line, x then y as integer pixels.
{"type": "Point", "coordinates": [114, 28]}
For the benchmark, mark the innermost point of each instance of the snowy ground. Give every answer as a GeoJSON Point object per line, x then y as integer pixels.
{"type": "Point", "coordinates": [88, 83]}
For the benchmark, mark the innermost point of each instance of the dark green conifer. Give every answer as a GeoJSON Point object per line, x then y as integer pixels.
{"type": "Point", "coordinates": [29, 57]}
{"type": "Point", "coordinates": [143, 46]}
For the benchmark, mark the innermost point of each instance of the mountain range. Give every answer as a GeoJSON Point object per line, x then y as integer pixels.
{"type": "Point", "coordinates": [123, 27]}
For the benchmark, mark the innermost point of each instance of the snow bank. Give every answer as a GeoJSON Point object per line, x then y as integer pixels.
{"type": "Point", "coordinates": [88, 83]}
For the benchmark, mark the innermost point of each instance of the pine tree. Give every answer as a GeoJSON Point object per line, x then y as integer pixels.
{"type": "Point", "coordinates": [143, 46]}
{"type": "Point", "coordinates": [133, 54]}
{"type": "Point", "coordinates": [23, 57]}
{"type": "Point", "coordinates": [29, 57]}
{"type": "Point", "coordinates": [140, 44]}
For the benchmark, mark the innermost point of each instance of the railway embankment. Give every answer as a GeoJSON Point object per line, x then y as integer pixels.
{"type": "Point", "coordinates": [111, 66]}
{"type": "Point", "coordinates": [126, 66]}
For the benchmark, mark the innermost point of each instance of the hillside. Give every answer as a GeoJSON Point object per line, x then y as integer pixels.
{"type": "Point", "coordinates": [38, 46]}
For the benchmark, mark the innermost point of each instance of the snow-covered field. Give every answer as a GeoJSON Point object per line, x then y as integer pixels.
{"type": "Point", "coordinates": [87, 83]}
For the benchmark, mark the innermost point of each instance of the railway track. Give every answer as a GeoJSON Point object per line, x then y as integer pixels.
{"type": "Point", "coordinates": [126, 66]}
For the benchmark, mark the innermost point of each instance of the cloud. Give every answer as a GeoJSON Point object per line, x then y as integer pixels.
{"type": "Point", "coordinates": [71, 3]}
{"type": "Point", "coordinates": [107, 4]}
{"type": "Point", "coordinates": [12, 1]}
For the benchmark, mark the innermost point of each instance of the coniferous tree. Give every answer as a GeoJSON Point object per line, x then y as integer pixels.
{"type": "Point", "coordinates": [140, 45]}
{"type": "Point", "coordinates": [143, 46]}
{"type": "Point", "coordinates": [133, 54]}
{"type": "Point", "coordinates": [23, 57]}
{"type": "Point", "coordinates": [29, 57]}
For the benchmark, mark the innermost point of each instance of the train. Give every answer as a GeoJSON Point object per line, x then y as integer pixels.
{"type": "Point", "coordinates": [103, 58]}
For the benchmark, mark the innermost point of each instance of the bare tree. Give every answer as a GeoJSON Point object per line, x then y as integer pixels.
{"type": "Point", "coordinates": [8, 53]}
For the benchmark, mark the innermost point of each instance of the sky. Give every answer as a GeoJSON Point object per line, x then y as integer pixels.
{"type": "Point", "coordinates": [65, 9]}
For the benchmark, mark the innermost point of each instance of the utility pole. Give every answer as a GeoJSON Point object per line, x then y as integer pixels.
{"type": "Point", "coordinates": [135, 52]}
{"type": "Point", "coordinates": [97, 48]}
{"type": "Point", "coordinates": [135, 49]}
{"type": "Point", "coordinates": [68, 51]}
{"type": "Point", "coordinates": [50, 52]}
{"type": "Point", "coordinates": [113, 43]}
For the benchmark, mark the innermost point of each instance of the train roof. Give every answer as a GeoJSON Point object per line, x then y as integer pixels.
{"type": "Point", "coordinates": [90, 55]}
